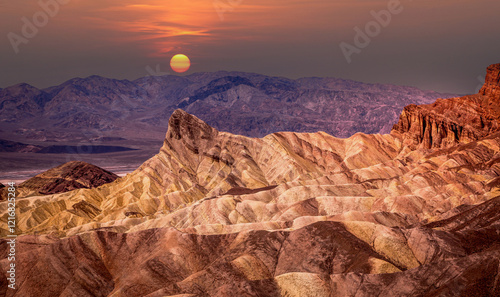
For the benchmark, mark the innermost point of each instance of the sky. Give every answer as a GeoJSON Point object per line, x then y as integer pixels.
{"type": "Point", "coordinates": [441, 45]}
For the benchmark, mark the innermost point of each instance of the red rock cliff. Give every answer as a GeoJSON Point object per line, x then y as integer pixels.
{"type": "Point", "coordinates": [492, 84]}
{"type": "Point", "coordinates": [447, 122]}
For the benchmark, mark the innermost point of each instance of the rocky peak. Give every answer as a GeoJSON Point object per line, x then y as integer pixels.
{"type": "Point", "coordinates": [491, 85]}
{"type": "Point", "coordinates": [188, 130]}
{"type": "Point", "coordinates": [24, 95]}
{"type": "Point", "coordinates": [183, 124]}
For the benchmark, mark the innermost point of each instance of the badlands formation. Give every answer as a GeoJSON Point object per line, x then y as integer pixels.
{"type": "Point", "coordinates": [412, 213]}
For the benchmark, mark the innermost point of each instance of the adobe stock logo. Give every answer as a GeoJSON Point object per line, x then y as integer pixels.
{"type": "Point", "coordinates": [372, 29]}
{"type": "Point", "coordinates": [222, 7]}
{"type": "Point", "coordinates": [30, 28]}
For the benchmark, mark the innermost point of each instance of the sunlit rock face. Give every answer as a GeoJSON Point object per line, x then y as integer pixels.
{"type": "Point", "coordinates": [447, 122]}
{"type": "Point", "coordinates": [289, 214]}
{"type": "Point", "coordinates": [492, 85]}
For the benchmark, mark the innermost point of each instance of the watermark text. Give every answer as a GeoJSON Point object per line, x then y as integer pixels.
{"type": "Point", "coordinates": [31, 26]}
{"type": "Point", "coordinates": [364, 36]}
{"type": "Point", "coordinates": [11, 241]}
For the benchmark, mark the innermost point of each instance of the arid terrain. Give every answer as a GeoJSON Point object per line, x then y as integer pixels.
{"type": "Point", "coordinates": [414, 212]}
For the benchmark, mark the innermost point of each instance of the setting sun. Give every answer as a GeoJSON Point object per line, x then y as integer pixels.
{"type": "Point", "coordinates": [180, 63]}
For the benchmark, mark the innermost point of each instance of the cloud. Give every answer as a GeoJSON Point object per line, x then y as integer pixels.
{"type": "Point", "coordinates": [177, 23]}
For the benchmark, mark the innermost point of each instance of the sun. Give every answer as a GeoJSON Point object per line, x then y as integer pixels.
{"type": "Point", "coordinates": [180, 63]}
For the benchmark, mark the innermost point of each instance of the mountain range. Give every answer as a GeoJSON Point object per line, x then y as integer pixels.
{"type": "Point", "coordinates": [414, 212]}
{"type": "Point", "coordinates": [242, 103]}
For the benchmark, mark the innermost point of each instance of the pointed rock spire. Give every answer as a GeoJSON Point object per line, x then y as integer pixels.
{"type": "Point", "coordinates": [187, 131]}
{"type": "Point", "coordinates": [184, 125]}
{"type": "Point", "coordinates": [491, 85]}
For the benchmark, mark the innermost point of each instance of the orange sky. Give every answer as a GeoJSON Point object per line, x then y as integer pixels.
{"type": "Point", "coordinates": [446, 41]}
{"type": "Point", "coordinates": [167, 26]}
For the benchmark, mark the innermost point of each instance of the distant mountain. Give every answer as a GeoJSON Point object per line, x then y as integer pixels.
{"type": "Point", "coordinates": [242, 103]}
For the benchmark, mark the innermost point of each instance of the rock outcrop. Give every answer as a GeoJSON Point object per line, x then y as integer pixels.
{"type": "Point", "coordinates": [491, 87]}
{"type": "Point", "coordinates": [66, 177]}
{"type": "Point", "coordinates": [448, 122]}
